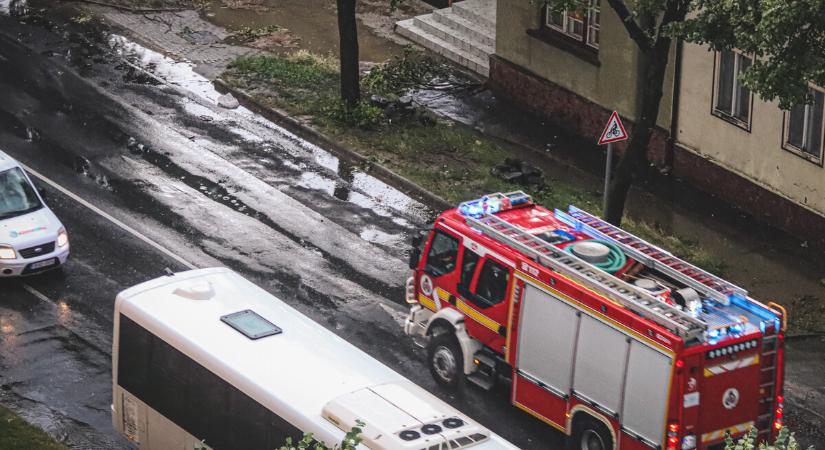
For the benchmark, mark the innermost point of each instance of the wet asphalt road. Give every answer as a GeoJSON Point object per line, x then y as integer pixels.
{"type": "Point", "coordinates": [212, 186]}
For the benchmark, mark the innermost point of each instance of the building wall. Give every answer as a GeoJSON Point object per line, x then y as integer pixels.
{"type": "Point", "coordinates": [756, 154]}
{"type": "Point", "coordinates": [612, 83]}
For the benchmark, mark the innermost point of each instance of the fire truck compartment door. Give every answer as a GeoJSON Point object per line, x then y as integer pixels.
{"type": "Point", "coordinates": [646, 392]}
{"type": "Point", "coordinates": [547, 335]}
{"type": "Point", "coordinates": [601, 355]}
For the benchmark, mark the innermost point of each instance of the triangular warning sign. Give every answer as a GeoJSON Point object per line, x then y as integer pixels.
{"type": "Point", "coordinates": [614, 131]}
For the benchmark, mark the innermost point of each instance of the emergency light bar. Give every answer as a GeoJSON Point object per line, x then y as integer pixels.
{"type": "Point", "coordinates": [494, 203]}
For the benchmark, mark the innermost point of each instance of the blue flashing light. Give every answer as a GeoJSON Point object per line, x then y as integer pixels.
{"type": "Point", "coordinates": [762, 327]}
{"type": "Point", "coordinates": [763, 313]}
{"type": "Point", "coordinates": [494, 203]}
{"type": "Point", "coordinates": [519, 198]}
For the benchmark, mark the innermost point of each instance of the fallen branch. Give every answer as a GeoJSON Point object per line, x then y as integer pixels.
{"type": "Point", "coordinates": [128, 8]}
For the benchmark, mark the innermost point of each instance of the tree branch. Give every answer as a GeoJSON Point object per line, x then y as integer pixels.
{"type": "Point", "coordinates": [636, 33]}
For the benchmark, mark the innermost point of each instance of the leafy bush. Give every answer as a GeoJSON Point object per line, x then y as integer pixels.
{"type": "Point", "coordinates": [413, 69]}
{"type": "Point", "coordinates": [351, 440]}
{"type": "Point", "coordinates": [784, 441]}
{"type": "Point", "coordinates": [363, 115]}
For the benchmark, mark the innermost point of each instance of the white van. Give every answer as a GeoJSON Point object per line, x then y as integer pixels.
{"type": "Point", "coordinates": [206, 359]}
{"type": "Point", "coordinates": [32, 239]}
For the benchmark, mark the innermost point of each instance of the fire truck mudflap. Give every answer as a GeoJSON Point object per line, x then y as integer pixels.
{"type": "Point", "coordinates": [606, 337]}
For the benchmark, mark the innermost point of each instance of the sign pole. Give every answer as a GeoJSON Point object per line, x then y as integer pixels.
{"type": "Point", "coordinates": [613, 132]}
{"type": "Point", "coordinates": [607, 166]}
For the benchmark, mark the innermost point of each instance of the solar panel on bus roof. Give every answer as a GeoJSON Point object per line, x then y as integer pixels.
{"type": "Point", "coordinates": [251, 324]}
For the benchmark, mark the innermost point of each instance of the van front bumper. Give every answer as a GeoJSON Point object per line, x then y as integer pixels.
{"type": "Point", "coordinates": [22, 267]}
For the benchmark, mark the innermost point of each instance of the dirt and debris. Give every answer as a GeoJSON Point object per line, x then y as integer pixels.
{"type": "Point", "coordinates": [518, 172]}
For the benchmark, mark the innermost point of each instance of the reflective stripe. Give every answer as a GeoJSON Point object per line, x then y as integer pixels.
{"type": "Point", "coordinates": [731, 366]}
{"type": "Point", "coordinates": [442, 294]}
{"type": "Point", "coordinates": [426, 302]}
{"type": "Point", "coordinates": [477, 316]}
{"type": "Point", "coordinates": [719, 434]}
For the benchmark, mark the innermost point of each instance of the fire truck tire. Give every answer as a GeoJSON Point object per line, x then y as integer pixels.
{"type": "Point", "coordinates": [589, 434]}
{"type": "Point", "coordinates": [445, 360]}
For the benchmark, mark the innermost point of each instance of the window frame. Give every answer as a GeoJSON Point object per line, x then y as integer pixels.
{"type": "Point", "coordinates": [586, 24]}
{"type": "Point", "coordinates": [486, 303]}
{"type": "Point", "coordinates": [792, 148]}
{"type": "Point", "coordinates": [558, 38]}
{"type": "Point", "coordinates": [724, 115]}
{"type": "Point", "coordinates": [427, 268]}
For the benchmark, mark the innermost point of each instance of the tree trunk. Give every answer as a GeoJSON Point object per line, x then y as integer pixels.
{"type": "Point", "coordinates": [654, 64]}
{"type": "Point", "coordinates": [348, 35]}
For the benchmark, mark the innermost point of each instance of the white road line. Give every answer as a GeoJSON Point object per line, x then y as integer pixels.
{"type": "Point", "coordinates": [37, 294]}
{"type": "Point", "coordinates": [105, 215]}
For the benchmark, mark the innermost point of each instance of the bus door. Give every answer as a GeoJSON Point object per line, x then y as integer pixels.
{"type": "Point", "coordinates": [483, 288]}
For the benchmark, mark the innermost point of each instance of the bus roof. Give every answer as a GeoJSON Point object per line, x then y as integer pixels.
{"type": "Point", "coordinates": [300, 373]}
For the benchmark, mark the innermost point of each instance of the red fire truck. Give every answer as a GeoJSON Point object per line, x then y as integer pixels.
{"type": "Point", "coordinates": [600, 334]}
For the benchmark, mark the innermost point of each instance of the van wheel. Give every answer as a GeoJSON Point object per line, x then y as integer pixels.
{"type": "Point", "coordinates": [445, 360]}
{"type": "Point", "coordinates": [589, 434]}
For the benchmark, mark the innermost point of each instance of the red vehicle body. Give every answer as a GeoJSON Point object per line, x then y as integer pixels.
{"type": "Point", "coordinates": [630, 349]}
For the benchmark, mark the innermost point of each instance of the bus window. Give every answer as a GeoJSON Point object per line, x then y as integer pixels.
{"type": "Point", "coordinates": [441, 259]}
{"type": "Point", "coordinates": [492, 284]}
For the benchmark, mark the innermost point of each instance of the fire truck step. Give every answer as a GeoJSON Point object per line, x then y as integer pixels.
{"type": "Point", "coordinates": [483, 381]}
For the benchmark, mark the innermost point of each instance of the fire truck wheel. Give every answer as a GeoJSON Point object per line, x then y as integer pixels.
{"type": "Point", "coordinates": [445, 359]}
{"type": "Point", "coordinates": [589, 434]}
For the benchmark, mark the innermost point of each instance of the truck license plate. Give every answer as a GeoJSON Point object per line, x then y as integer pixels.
{"type": "Point", "coordinates": [42, 264]}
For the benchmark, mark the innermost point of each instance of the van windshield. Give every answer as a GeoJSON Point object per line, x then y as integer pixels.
{"type": "Point", "coordinates": [17, 196]}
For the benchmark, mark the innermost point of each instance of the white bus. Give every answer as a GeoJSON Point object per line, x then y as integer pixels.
{"type": "Point", "coordinates": [207, 359]}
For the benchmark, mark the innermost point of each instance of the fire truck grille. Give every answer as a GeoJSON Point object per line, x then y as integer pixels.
{"type": "Point", "coordinates": [40, 250]}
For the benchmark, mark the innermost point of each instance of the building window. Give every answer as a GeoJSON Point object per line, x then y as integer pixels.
{"type": "Point", "coordinates": [582, 26]}
{"type": "Point", "coordinates": [732, 100]}
{"type": "Point", "coordinates": [804, 130]}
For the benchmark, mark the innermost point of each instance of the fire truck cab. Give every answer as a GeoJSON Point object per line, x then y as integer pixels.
{"type": "Point", "coordinates": [598, 333]}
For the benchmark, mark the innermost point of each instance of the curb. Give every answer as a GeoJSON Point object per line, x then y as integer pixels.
{"type": "Point", "coordinates": [312, 135]}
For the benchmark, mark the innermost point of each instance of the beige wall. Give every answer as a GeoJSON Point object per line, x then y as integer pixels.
{"type": "Point", "coordinates": [612, 84]}
{"type": "Point", "coordinates": [756, 154]}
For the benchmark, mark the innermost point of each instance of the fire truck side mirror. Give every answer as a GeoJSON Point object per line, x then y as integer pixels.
{"type": "Point", "coordinates": [415, 256]}
{"type": "Point", "coordinates": [415, 253]}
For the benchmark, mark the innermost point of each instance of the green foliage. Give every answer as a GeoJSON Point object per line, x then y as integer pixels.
{"type": "Point", "coordinates": [301, 69]}
{"type": "Point", "coordinates": [784, 441]}
{"type": "Point", "coordinates": [249, 34]}
{"type": "Point", "coordinates": [350, 442]}
{"type": "Point", "coordinates": [363, 115]}
{"type": "Point", "coordinates": [786, 37]}
{"type": "Point", "coordinates": [17, 433]}
{"type": "Point", "coordinates": [413, 69]}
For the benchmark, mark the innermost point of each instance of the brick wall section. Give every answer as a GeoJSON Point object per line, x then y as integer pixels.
{"type": "Point", "coordinates": [560, 106]}
{"type": "Point", "coordinates": [585, 118]}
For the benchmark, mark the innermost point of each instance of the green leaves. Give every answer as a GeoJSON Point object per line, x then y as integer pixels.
{"type": "Point", "coordinates": [786, 37]}
{"type": "Point", "coordinates": [350, 442]}
{"type": "Point", "coordinates": [784, 441]}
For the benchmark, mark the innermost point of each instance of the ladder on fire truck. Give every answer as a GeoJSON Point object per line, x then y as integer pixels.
{"type": "Point", "coordinates": [631, 297]}
{"type": "Point", "coordinates": [706, 284]}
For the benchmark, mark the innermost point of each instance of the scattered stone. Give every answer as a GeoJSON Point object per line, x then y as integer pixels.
{"type": "Point", "coordinates": [379, 101]}
{"type": "Point", "coordinates": [228, 101]}
{"type": "Point", "coordinates": [518, 172]}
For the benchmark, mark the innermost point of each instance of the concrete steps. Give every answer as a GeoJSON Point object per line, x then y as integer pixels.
{"type": "Point", "coordinates": [464, 33]}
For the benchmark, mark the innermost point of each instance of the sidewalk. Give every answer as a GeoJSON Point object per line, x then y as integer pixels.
{"type": "Point", "coordinates": [771, 265]}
